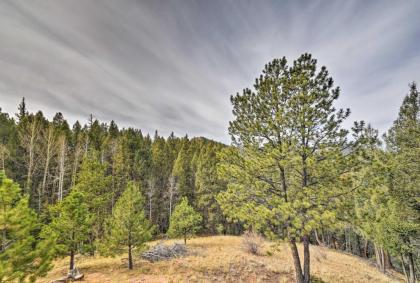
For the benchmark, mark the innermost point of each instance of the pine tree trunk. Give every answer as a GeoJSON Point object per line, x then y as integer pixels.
{"type": "Point", "coordinates": [387, 260]}
{"type": "Point", "coordinates": [334, 240]}
{"type": "Point", "coordinates": [378, 257]}
{"type": "Point", "coordinates": [322, 235]}
{"type": "Point", "coordinates": [382, 260]}
{"type": "Point", "coordinates": [306, 259]}
{"type": "Point", "coordinates": [403, 267]}
{"type": "Point", "coordinates": [185, 239]}
{"type": "Point", "coordinates": [72, 259]}
{"type": "Point", "coordinates": [411, 269]}
{"type": "Point", "coordinates": [296, 261]}
{"type": "Point", "coordinates": [130, 258]}
{"type": "Point", "coordinates": [359, 246]}
{"type": "Point", "coordinates": [365, 249]}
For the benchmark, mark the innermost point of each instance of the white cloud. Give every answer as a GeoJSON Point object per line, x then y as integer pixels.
{"type": "Point", "coordinates": [172, 65]}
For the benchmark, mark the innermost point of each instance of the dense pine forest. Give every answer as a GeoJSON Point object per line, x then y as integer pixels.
{"type": "Point", "coordinates": [293, 173]}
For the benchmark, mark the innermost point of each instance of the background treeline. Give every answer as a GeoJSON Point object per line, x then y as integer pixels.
{"type": "Point", "coordinates": [49, 158]}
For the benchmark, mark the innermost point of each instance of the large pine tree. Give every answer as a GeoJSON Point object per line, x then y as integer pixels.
{"type": "Point", "coordinates": [293, 161]}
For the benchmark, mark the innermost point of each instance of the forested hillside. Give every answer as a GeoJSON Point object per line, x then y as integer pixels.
{"type": "Point", "coordinates": [48, 158]}
{"type": "Point", "coordinates": [292, 173]}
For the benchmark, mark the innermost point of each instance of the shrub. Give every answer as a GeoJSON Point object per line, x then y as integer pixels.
{"type": "Point", "coordinates": [252, 242]}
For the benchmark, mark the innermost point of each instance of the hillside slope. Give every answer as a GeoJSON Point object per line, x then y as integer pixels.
{"type": "Point", "coordinates": [222, 259]}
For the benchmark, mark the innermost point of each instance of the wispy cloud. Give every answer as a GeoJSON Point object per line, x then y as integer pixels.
{"type": "Point", "coordinates": [172, 65]}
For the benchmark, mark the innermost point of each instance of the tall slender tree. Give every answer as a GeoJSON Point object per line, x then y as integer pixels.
{"type": "Point", "coordinates": [95, 186]}
{"type": "Point", "coordinates": [403, 141]}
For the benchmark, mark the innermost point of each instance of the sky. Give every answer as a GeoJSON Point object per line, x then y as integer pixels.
{"type": "Point", "coordinates": [172, 65]}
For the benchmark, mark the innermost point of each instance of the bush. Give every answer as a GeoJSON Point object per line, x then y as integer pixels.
{"type": "Point", "coordinates": [252, 242]}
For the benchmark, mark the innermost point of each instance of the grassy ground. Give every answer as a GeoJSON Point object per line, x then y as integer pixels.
{"type": "Point", "coordinates": [222, 259]}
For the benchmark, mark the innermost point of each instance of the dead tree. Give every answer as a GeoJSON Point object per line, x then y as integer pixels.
{"type": "Point", "coordinates": [62, 156]}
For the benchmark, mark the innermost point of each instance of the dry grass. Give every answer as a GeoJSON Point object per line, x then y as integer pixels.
{"type": "Point", "coordinates": [221, 259]}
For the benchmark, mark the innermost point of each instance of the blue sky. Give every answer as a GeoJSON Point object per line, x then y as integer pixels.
{"type": "Point", "coordinates": [172, 65]}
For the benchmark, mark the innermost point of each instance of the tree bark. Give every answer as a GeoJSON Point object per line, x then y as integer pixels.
{"type": "Point", "coordinates": [359, 246]}
{"type": "Point", "coordinates": [387, 260]}
{"type": "Point", "coordinates": [319, 241]}
{"type": "Point", "coordinates": [31, 155]}
{"type": "Point", "coordinates": [130, 258]}
{"type": "Point", "coordinates": [306, 260]}
{"type": "Point", "coordinates": [3, 153]}
{"type": "Point", "coordinates": [46, 167]}
{"type": "Point", "coordinates": [403, 267]}
{"type": "Point", "coordinates": [296, 261]}
{"type": "Point", "coordinates": [322, 235]}
{"type": "Point", "coordinates": [365, 249]}
{"type": "Point", "coordinates": [411, 269]}
{"type": "Point", "coordinates": [347, 240]}
{"type": "Point", "coordinates": [171, 193]}
{"type": "Point", "coordinates": [150, 194]}
{"type": "Point", "coordinates": [380, 258]}
{"type": "Point", "coordinates": [61, 168]}
{"type": "Point", "coordinates": [72, 259]}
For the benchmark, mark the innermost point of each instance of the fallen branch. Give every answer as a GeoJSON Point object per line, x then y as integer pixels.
{"type": "Point", "coordinates": [164, 252]}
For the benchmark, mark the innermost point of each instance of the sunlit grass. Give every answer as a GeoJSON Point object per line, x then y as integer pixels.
{"type": "Point", "coordinates": [222, 259]}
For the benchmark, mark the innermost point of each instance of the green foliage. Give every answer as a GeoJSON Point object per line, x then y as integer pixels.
{"type": "Point", "coordinates": [99, 159]}
{"type": "Point", "coordinates": [95, 187]}
{"type": "Point", "coordinates": [70, 225]}
{"type": "Point", "coordinates": [403, 141]}
{"type": "Point", "coordinates": [22, 256]}
{"type": "Point", "coordinates": [128, 227]}
{"type": "Point", "coordinates": [293, 164]}
{"type": "Point", "coordinates": [386, 208]}
{"type": "Point", "coordinates": [183, 173]}
{"type": "Point", "coordinates": [292, 171]}
{"type": "Point", "coordinates": [185, 221]}
{"type": "Point", "coordinates": [208, 186]}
